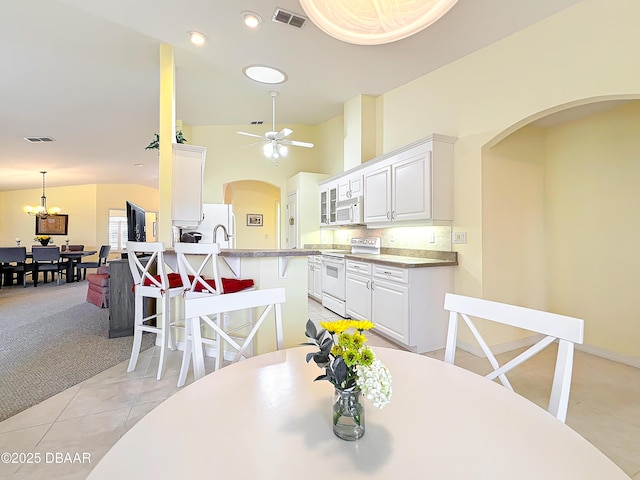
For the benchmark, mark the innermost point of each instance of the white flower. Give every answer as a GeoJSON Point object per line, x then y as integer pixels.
{"type": "Point", "coordinates": [375, 382]}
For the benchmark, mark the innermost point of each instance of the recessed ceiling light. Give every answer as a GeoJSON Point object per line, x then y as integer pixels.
{"type": "Point", "coordinates": [264, 74]}
{"type": "Point", "coordinates": [197, 38]}
{"type": "Point", "coordinates": [251, 19]}
{"type": "Point", "coordinates": [138, 164]}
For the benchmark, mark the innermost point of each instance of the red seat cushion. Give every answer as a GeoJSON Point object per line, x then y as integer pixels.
{"type": "Point", "coordinates": [174, 281]}
{"type": "Point", "coordinates": [229, 285]}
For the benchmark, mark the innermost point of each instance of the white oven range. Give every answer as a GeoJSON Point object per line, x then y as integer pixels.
{"type": "Point", "coordinates": [334, 278]}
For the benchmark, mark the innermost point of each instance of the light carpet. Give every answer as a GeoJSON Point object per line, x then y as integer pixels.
{"type": "Point", "coordinates": [50, 340]}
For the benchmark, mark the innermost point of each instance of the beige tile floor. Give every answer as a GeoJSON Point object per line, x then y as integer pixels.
{"type": "Point", "coordinates": [87, 419]}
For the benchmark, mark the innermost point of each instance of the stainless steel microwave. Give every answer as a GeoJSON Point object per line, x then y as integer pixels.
{"type": "Point", "coordinates": [350, 211]}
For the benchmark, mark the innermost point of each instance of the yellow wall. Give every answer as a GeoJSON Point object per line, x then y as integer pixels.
{"type": "Point", "coordinates": [593, 230]}
{"type": "Point", "coordinates": [574, 57]}
{"type": "Point", "coordinates": [87, 206]}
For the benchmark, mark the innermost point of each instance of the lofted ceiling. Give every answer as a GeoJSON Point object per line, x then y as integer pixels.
{"type": "Point", "coordinates": [85, 72]}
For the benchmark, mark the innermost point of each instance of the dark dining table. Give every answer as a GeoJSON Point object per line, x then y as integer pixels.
{"type": "Point", "coordinates": [72, 256]}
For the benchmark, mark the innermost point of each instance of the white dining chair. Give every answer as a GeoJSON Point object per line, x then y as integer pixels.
{"type": "Point", "coordinates": [567, 330]}
{"type": "Point", "coordinates": [151, 280]}
{"type": "Point", "coordinates": [198, 267]}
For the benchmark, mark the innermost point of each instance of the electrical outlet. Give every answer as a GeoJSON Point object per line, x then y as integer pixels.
{"type": "Point", "coordinates": [432, 237]}
{"type": "Point", "coordinates": [459, 237]}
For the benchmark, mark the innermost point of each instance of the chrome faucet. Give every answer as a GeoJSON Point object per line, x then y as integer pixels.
{"type": "Point", "coordinates": [224, 231]}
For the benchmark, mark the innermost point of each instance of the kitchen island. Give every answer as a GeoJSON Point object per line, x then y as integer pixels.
{"type": "Point", "coordinates": [270, 268]}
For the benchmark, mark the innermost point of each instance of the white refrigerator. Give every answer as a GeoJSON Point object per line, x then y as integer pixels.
{"type": "Point", "coordinates": [218, 214]}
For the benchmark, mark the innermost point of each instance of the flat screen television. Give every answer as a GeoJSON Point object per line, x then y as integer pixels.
{"type": "Point", "coordinates": [136, 228]}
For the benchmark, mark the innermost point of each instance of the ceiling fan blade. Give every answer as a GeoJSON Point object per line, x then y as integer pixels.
{"type": "Point", "coordinates": [251, 134]}
{"type": "Point", "coordinates": [296, 143]}
{"type": "Point", "coordinates": [285, 132]}
{"type": "Point", "coordinates": [255, 143]}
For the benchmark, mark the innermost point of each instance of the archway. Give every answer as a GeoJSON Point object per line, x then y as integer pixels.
{"type": "Point", "coordinates": [256, 206]}
{"type": "Point", "coordinates": [557, 197]}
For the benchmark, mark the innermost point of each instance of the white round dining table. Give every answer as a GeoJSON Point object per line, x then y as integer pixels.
{"type": "Point", "coordinates": [265, 418]}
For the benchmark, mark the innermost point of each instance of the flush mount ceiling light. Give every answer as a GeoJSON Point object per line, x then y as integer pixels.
{"type": "Point", "coordinates": [374, 22]}
{"type": "Point", "coordinates": [251, 19]}
{"type": "Point", "coordinates": [264, 74]}
{"type": "Point", "coordinates": [197, 38]}
{"type": "Point", "coordinates": [41, 210]}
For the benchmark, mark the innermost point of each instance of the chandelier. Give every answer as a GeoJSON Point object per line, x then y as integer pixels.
{"type": "Point", "coordinates": [374, 22]}
{"type": "Point", "coordinates": [41, 211]}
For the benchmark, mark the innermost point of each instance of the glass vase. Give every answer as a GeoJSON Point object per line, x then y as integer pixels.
{"type": "Point", "coordinates": [348, 414]}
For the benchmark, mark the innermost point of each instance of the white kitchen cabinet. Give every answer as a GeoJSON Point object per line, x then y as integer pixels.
{"type": "Point", "coordinates": [405, 304]}
{"type": "Point", "coordinates": [328, 203]}
{"type": "Point", "coordinates": [358, 291]}
{"type": "Point", "coordinates": [188, 174]}
{"type": "Point", "coordinates": [414, 184]}
{"type": "Point", "coordinates": [314, 289]}
{"type": "Point", "coordinates": [349, 186]}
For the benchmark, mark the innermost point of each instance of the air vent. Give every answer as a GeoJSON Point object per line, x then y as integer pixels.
{"type": "Point", "coordinates": [257, 122]}
{"type": "Point", "coordinates": [288, 18]}
{"type": "Point", "coordinates": [38, 139]}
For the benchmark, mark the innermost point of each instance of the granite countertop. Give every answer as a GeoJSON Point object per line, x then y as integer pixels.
{"type": "Point", "coordinates": [395, 257]}
{"type": "Point", "coordinates": [267, 252]}
{"type": "Point", "coordinates": [403, 261]}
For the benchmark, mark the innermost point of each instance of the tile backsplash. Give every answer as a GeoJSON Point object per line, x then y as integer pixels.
{"type": "Point", "coordinates": [416, 238]}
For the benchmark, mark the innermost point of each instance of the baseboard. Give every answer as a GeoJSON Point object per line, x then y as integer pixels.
{"type": "Point", "coordinates": [609, 355]}
{"type": "Point", "coordinates": [530, 340]}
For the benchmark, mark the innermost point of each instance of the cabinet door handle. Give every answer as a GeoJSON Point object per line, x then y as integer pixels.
{"type": "Point", "coordinates": [368, 282]}
{"type": "Point", "coordinates": [393, 214]}
{"type": "Point", "coordinates": [388, 215]}
{"type": "Point", "coordinates": [372, 285]}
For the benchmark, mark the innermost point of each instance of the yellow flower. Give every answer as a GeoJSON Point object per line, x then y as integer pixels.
{"type": "Point", "coordinates": [361, 325]}
{"type": "Point", "coordinates": [337, 326]}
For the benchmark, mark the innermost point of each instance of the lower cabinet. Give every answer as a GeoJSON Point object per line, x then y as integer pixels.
{"type": "Point", "coordinates": [314, 288]}
{"type": "Point", "coordinates": [405, 304]}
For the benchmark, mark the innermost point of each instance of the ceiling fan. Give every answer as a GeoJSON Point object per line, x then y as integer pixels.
{"type": "Point", "coordinates": [275, 143]}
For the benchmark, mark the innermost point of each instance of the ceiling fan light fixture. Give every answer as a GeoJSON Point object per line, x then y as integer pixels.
{"type": "Point", "coordinates": [251, 19]}
{"type": "Point", "coordinates": [197, 38]}
{"type": "Point", "coordinates": [374, 22]}
{"type": "Point", "coordinates": [264, 74]}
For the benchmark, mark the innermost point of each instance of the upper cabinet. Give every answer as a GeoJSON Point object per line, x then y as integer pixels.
{"type": "Point", "coordinates": [412, 185]}
{"type": "Point", "coordinates": [188, 174]}
{"type": "Point", "coordinates": [350, 186]}
{"type": "Point", "coordinates": [328, 203]}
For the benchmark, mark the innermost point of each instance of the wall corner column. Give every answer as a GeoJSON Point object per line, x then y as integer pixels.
{"type": "Point", "coordinates": [166, 131]}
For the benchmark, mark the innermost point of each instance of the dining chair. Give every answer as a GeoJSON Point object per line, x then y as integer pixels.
{"type": "Point", "coordinates": [13, 260]}
{"type": "Point", "coordinates": [567, 330]}
{"type": "Point", "coordinates": [103, 255]}
{"type": "Point", "coordinates": [194, 261]}
{"type": "Point", "coordinates": [151, 280]}
{"type": "Point", "coordinates": [47, 259]}
{"type": "Point", "coordinates": [216, 305]}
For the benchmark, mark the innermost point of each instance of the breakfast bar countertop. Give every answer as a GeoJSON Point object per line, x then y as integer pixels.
{"type": "Point", "coordinates": [267, 252]}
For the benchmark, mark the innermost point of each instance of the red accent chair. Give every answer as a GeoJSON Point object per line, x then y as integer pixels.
{"type": "Point", "coordinates": [98, 291]}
